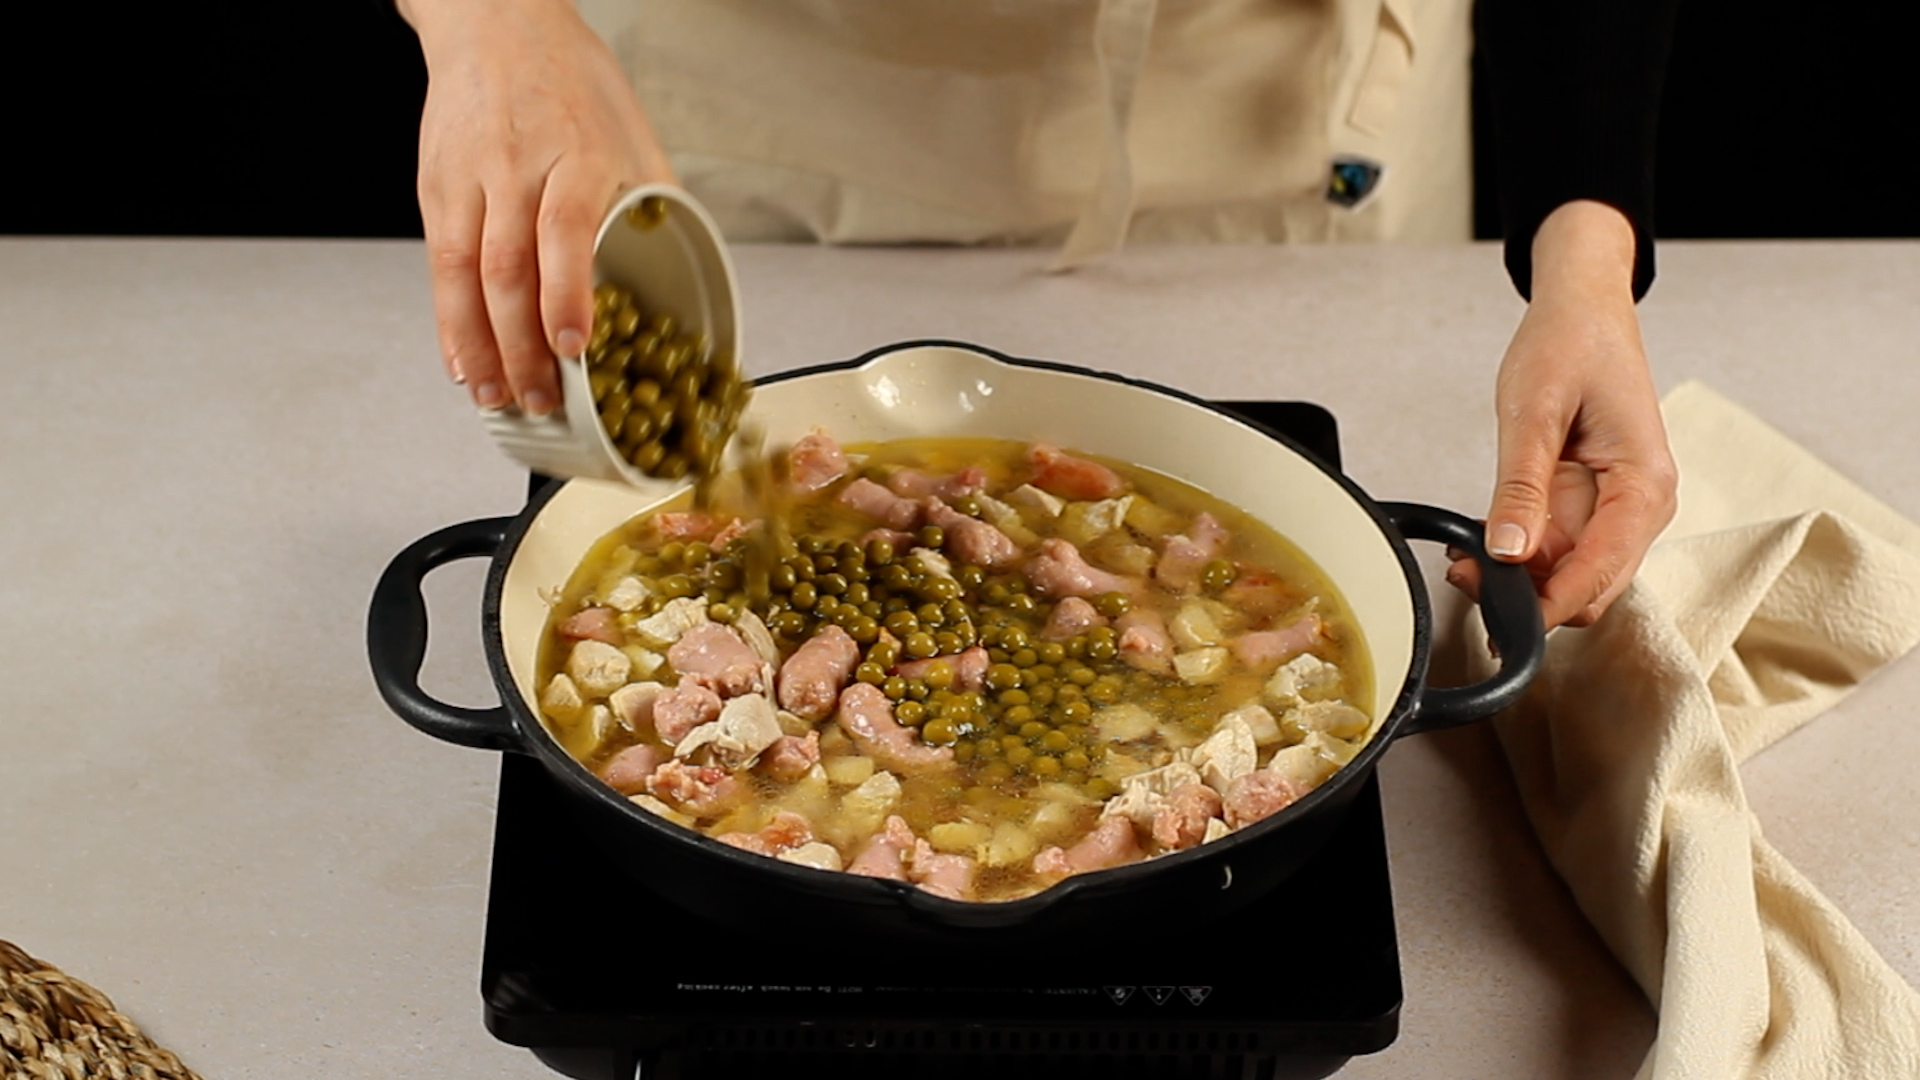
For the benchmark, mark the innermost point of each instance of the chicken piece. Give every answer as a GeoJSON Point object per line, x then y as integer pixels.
{"type": "Point", "coordinates": [1059, 570]}
{"type": "Point", "coordinates": [1138, 803]}
{"type": "Point", "coordinates": [1259, 721]}
{"type": "Point", "coordinates": [969, 539]}
{"type": "Point", "coordinates": [1335, 718]}
{"type": "Point", "coordinates": [758, 638]}
{"type": "Point", "coordinates": [941, 874]}
{"type": "Point", "coordinates": [1184, 556]}
{"type": "Point", "coordinates": [785, 832]}
{"type": "Point", "coordinates": [726, 662]}
{"type": "Point", "coordinates": [598, 668]}
{"type": "Point", "coordinates": [790, 758]}
{"type": "Point", "coordinates": [628, 594]}
{"type": "Point", "coordinates": [820, 856]}
{"type": "Point", "coordinates": [746, 726]}
{"type": "Point", "coordinates": [680, 709]}
{"type": "Point", "coordinates": [811, 679]}
{"type": "Point", "coordinates": [967, 669]}
{"type": "Point", "coordinates": [1111, 843]}
{"type": "Point", "coordinates": [886, 853]}
{"type": "Point", "coordinates": [675, 618]}
{"type": "Point", "coordinates": [1071, 617]}
{"type": "Point", "coordinates": [866, 716]}
{"type": "Point", "coordinates": [1226, 755]}
{"type": "Point", "coordinates": [1264, 650]}
{"type": "Point", "coordinates": [932, 562]}
{"type": "Point", "coordinates": [1261, 596]}
{"type": "Point", "coordinates": [869, 499]}
{"type": "Point", "coordinates": [1182, 822]}
{"type": "Point", "coordinates": [702, 791]}
{"type": "Point", "coordinates": [687, 524]}
{"type": "Point", "coordinates": [1260, 795]}
{"type": "Point", "coordinates": [597, 623]}
{"type": "Point", "coordinates": [1163, 780]}
{"type": "Point", "coordinates": [1040, 502]}
{"type": "Point", "coordinates": [1144, 642]}
{"type": "Point", "coordinates": [1304, 678]}
{"type": "Point", "coordinates": [627, 771]}
{"type": "Point", "coordinates": [914, 484]}
{"type": "Point", "coordinates": [733, 530]}
{"type": "Point", "coordinates": [1071, 477]}
{"type": "Point", "coordinates": [815, 461]}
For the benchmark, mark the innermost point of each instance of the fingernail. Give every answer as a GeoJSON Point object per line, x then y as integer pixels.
{"type": "Point", "coordinates": [572, 342]}
{"type": "Point", "coordinates": [537, 403]}
{"type": "Point", "coordinates": [490, 395]}
{"type": "Point", "coordinates": [1507, 538]}
{"type": "Point", "coordinates": [459, 377]}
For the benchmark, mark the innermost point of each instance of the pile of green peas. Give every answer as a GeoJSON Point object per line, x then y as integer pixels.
{"type": "Point", "coordinates": [668, 401]}
{"type": "Point", "coordinates": [1028, 723]}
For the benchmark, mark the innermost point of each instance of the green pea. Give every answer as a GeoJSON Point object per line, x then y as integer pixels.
{"type": "Point", "coordinates": [996, 593]}
{"type": "Point", "coordinates": [857, 593]}
{"type": "Point", "coordinates": [1112, 604]}
{"type": "Point", "coordinates": [1025, 658]}
{"type": "Point", "coordinates": [1102, 650]}
{"type": "Point", "coordinates": [1013, 696]}
{"type": "Point", "coordinates": [931, 614]}
{"type": "Point", "coordinates": [917, 689]}
{"type": "Point", "coordinates": [1022, 603]}
{"type": "Point", "coordinates": [863, 628]}
{"type": "Point", "coordinates": [1003, 677]}
{"type": "Point", "coordinates": [932, 536]}
{"type": "Point", "coordinates": [782, 577]}
{"type": "Point", "coordinates": [910, 713]}
{"type": "Point", "coordinates": [921, 645]}
{"type": "Point", "coordinates": [970, 576]}
{"type": "Point", "coordinates": [1017, 715]}
{"type": "Point", "coordinates": [803, 596]}
{"type": "Point", "coordinates": [833, 584]}
{"type": "Point", "coordinates": [948, 641]}
{"type": "Point", "coordinates": [941, 589]}
{"type": "Point", "coordinates": [722, 612]}
{"type": "Point", "coordinates": [1075, 712]}
{"type": "Point", "coordinates": [697, 553]}
{"type": "Point", "coordinates": [895, 687]}
{"type": "Point", "coordinates": [870, 673]}
{"type": "Point", "coordinates": [1044, 766]}
{"type": "Point", "coordinates": [1217, 575]}
{"type": "Point", "coordinates": [1019, 756]}
{"type": "Point", "coordinates": [677, 585]}
{"type": "Point", "coordinates": [1075, 759]}
{"type": "Point", "coordinates": [880, 551]}
{"type": "Point", "coordinates": [1081, 675]}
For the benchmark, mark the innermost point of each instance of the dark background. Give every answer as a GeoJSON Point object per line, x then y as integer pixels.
{"type": "Point", "coordinates": [300, 118]}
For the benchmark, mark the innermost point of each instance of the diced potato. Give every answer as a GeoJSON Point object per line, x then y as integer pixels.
{"type": "Point", "coordinates": [1124, 723]}
{"type": "Point", "coordinates": [1163, 780]}
{"type": "Point", "coordinates": [1302, 764]}
{"type": "Point", "coordinates": [653, 805]}
{"type": "Point", "coordinates": [1215, 830]}
{"type": "Point", "coordinates": [1117, 767]}
{"type": "Point", "coordinates": [1007, 519]}
{"type": "Point", "coordinates": [1153, 520]}
{"type": "Point", "coordinates": [1045, 504]}
{"type": "Point", "coordinates": [750, 817]}
{"type": "Point", "coordinates": [628, 594]}
{"type": "Point", "coordinates": [1055, 821]}
{"type": "Point", "coordinates": [1010, 845]}
{"type": "Point", "coordinates": [1081, 523]}
{"type": "Point", "coordinates": [561, 701]}
{"type": "Point", "coordinates": [646, 662]}
{"type": "Point", "coordinates": [832, 740]}
{"type": "Point", "coordinates": [958, 837]}
{"type": "Point", "coordinates": [1202, 665]}
{"type": "Point", "coordinates": [816, 854]}
{"type": "Point", "coordinates": [863, 810]}
{"type": "Point", "coordinates": [793, 724]}
{"type": "Point", "coordinates": [598, 668]}
{"type": "Point", "coordinates": [1194, 627]}
{"type": "Point", "coordinates": [1117, 552]}
{"type": "Point", "coordinates": [1259, 721]}
{"type": "Point", "coordinates": [811, 796]}
{"type": "Point", "coordinates": [848, 771]}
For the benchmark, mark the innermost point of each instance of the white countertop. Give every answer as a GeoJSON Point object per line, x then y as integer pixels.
{"type": "Point", "coordinates": [213, 448]}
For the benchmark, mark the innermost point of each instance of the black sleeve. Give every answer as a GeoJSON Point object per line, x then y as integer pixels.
{"type": "Point", "coordinates": [1575, 90]}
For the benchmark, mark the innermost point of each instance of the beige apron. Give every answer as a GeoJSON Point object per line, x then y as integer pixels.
{"type": "Point", "coordinates": [1078, 122]}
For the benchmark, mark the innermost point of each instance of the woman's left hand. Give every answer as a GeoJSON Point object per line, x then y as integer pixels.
{"type": "Point", "coordinates": [1586, 481]}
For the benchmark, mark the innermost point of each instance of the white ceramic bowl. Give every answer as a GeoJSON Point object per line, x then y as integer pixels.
{"type": "Point", "coordinates": [679, 265]}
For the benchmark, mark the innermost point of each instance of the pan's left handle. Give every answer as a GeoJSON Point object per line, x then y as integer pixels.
{"type": "Point", "coordinates": [1509, 607]}
{"type": "Point", "coordinates": [397, 638]}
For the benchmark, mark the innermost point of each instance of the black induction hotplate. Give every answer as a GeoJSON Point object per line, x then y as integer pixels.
{"type": "Point", "coordinates": [603, 979]}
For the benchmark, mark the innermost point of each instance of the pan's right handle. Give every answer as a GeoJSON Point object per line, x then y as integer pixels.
{"type": "Point", "coordinates": [397, 638]}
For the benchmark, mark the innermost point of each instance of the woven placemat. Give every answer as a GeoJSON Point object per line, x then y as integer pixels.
{"type": "Point", "coordinates": [55, 1027]}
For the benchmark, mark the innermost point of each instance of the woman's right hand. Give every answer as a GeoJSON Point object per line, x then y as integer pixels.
{"type": "Point", "coordinates": [530, 132]}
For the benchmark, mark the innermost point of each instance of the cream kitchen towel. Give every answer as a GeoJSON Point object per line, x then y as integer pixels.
{"type": "Point", "coordinates": [1779, 587]}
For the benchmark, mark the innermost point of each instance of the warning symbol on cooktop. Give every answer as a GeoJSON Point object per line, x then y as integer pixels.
{"type": "Point", "coordinates": [1196, 994]}
{"type": "Point", "coordinates": [1119, 994]}
{"type": "Point", "coordinates": [1159, 994]}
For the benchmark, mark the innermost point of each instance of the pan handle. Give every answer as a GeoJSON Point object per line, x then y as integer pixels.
{"type": "Point", "coordinates": [397, 638]}
{"type": "Point", "coordinates": [1508, 606]}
